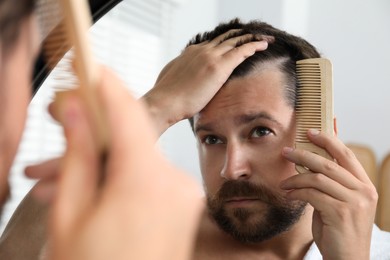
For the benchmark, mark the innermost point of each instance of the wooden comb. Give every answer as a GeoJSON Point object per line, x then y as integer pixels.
{"type": "Point", "coordinates": [70, 22]}
{"type": "Point", "coordinates": [314, 107]}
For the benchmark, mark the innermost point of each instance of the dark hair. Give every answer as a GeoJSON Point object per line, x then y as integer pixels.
{"type": "Point", "coordinates": [285, 49]}
{"type": "Point", "coordinates": [12, 14]}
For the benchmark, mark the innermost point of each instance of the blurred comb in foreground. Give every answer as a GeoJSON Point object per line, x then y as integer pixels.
{"type": "Point", "coordinates": [67, 23]}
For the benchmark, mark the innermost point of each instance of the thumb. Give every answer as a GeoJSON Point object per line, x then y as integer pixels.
{"type": "Point", "coordinates": [78, 168]}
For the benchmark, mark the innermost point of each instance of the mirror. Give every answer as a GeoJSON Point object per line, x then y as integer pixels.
{"type": "Point", "coordinates": [354, 34]}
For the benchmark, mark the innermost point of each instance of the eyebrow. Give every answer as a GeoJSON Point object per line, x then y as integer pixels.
{"type": "Point", "coordinates": [241, 119]}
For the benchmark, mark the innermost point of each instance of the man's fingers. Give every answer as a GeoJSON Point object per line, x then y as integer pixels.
{"type": "Point", "coordinates": [44, 190]}
{"type": "Point", "coordinates": [227, 35]}
{"type": "Point", "coordinates": [46, 169]}
{"type": "Point", "coordinates": [78, 170]}
{"type": "Point", "coordinates": [343, 155]}
{"type": "Point", "coordinates": [238, 54]}
{"type": "Point", "coordinates": [135, 138]}
{"type": "Point", "coordinates": [47, 173]}
{"type": "Point", "coordinates": [319, 200]}
{"type": "Point", "coordinates": [319, 182]}
{"type": "Point", "coordinates": [224, 47]}
{"type": "Point", "coordinates": [60, 97]}
{"type": "Point", "coordinates": [318, 164]}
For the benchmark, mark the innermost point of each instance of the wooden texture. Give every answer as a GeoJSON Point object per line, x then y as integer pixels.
{"type": "Point", "coordinates": [314, 108]}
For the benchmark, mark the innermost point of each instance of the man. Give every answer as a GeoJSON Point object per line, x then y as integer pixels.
{"type": "Point", "coordinates": [19, 45]}
{"type": "Point", "coordinates": [89, 220]}
{"type": "Point", "coordinates": [243, 117]}
{"type": "Point", "coordinates": [244, 124]}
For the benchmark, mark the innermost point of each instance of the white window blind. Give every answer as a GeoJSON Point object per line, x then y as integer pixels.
{"type": "Point", "coordinates": [130, 39]}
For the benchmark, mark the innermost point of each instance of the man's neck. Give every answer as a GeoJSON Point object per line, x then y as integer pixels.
{"type": "Point", "coordinates": [213, 243]}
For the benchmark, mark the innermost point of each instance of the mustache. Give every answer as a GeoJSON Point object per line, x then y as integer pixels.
{"type": "Point", "coordinates": [232, 188]}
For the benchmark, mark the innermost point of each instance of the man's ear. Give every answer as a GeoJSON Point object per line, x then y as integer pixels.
{"type": "Point", "coordinates": [335, 126]}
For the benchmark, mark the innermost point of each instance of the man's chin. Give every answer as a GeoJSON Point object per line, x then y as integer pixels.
{"type": "Point", "coordinates": [253, 225]}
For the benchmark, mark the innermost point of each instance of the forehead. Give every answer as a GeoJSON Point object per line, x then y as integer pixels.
{"type": "Point", "coordinates": [259, 92]}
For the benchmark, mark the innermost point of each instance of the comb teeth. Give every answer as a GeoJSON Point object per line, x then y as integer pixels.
{"type": "Point", "coordinates": [52, 30]}
{"type": "Point", "coordinates": [56, 45]}
{"type": "Point", "coordinates": [314, 107]}
{"type": "Point", "coordinates": [308, 110]}
{"type": "Point", "coordinates": [49, 15]}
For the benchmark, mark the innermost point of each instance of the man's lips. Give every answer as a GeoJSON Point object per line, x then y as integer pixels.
{"type": "Point", "coordinates": [240, 201]}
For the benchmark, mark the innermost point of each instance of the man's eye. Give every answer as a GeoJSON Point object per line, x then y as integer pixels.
{"type": "Point", "coordinates": [260, 132]}
{"type": "Point", "coordinates": [212, 139]}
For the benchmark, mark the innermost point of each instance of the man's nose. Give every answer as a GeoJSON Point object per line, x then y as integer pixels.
{"type": "Point", "coordinates": [236, 164]}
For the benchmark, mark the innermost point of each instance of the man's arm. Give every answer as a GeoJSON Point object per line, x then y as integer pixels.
{"type": "Point", "coordinates": [343, 197]}
{"type": "Point", "coordinates": [25, 235]}
{"type": "Point", "coordinates": [187, 84]}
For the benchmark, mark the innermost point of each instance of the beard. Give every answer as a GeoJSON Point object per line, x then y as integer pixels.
{"type": "Point", "coordinates": [251, 224]}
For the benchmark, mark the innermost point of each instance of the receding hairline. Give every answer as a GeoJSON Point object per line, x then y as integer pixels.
{"type": "Point", "coordinates": [261, 66]}
{"type": "Point", "coordinates": [273, 64]}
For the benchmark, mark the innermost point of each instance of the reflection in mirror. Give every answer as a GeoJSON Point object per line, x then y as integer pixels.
{"type": "Point", "coordinates": [138, 37]}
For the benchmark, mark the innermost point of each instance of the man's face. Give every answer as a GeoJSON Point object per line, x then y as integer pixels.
{"type": "Point", "coordinates": [15, 94]}
{"type": "Point", "coordinates": [240, 135]}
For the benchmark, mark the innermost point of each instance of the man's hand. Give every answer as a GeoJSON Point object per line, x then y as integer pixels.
{"type": "Point", "coordinates": [343, 197]}
{"type": "Point", "coordinates": [47, 173]}
{"type": "Point", "coordinates": [190, 81]}
{"type": "Point", "coordinates": [144, 209]}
